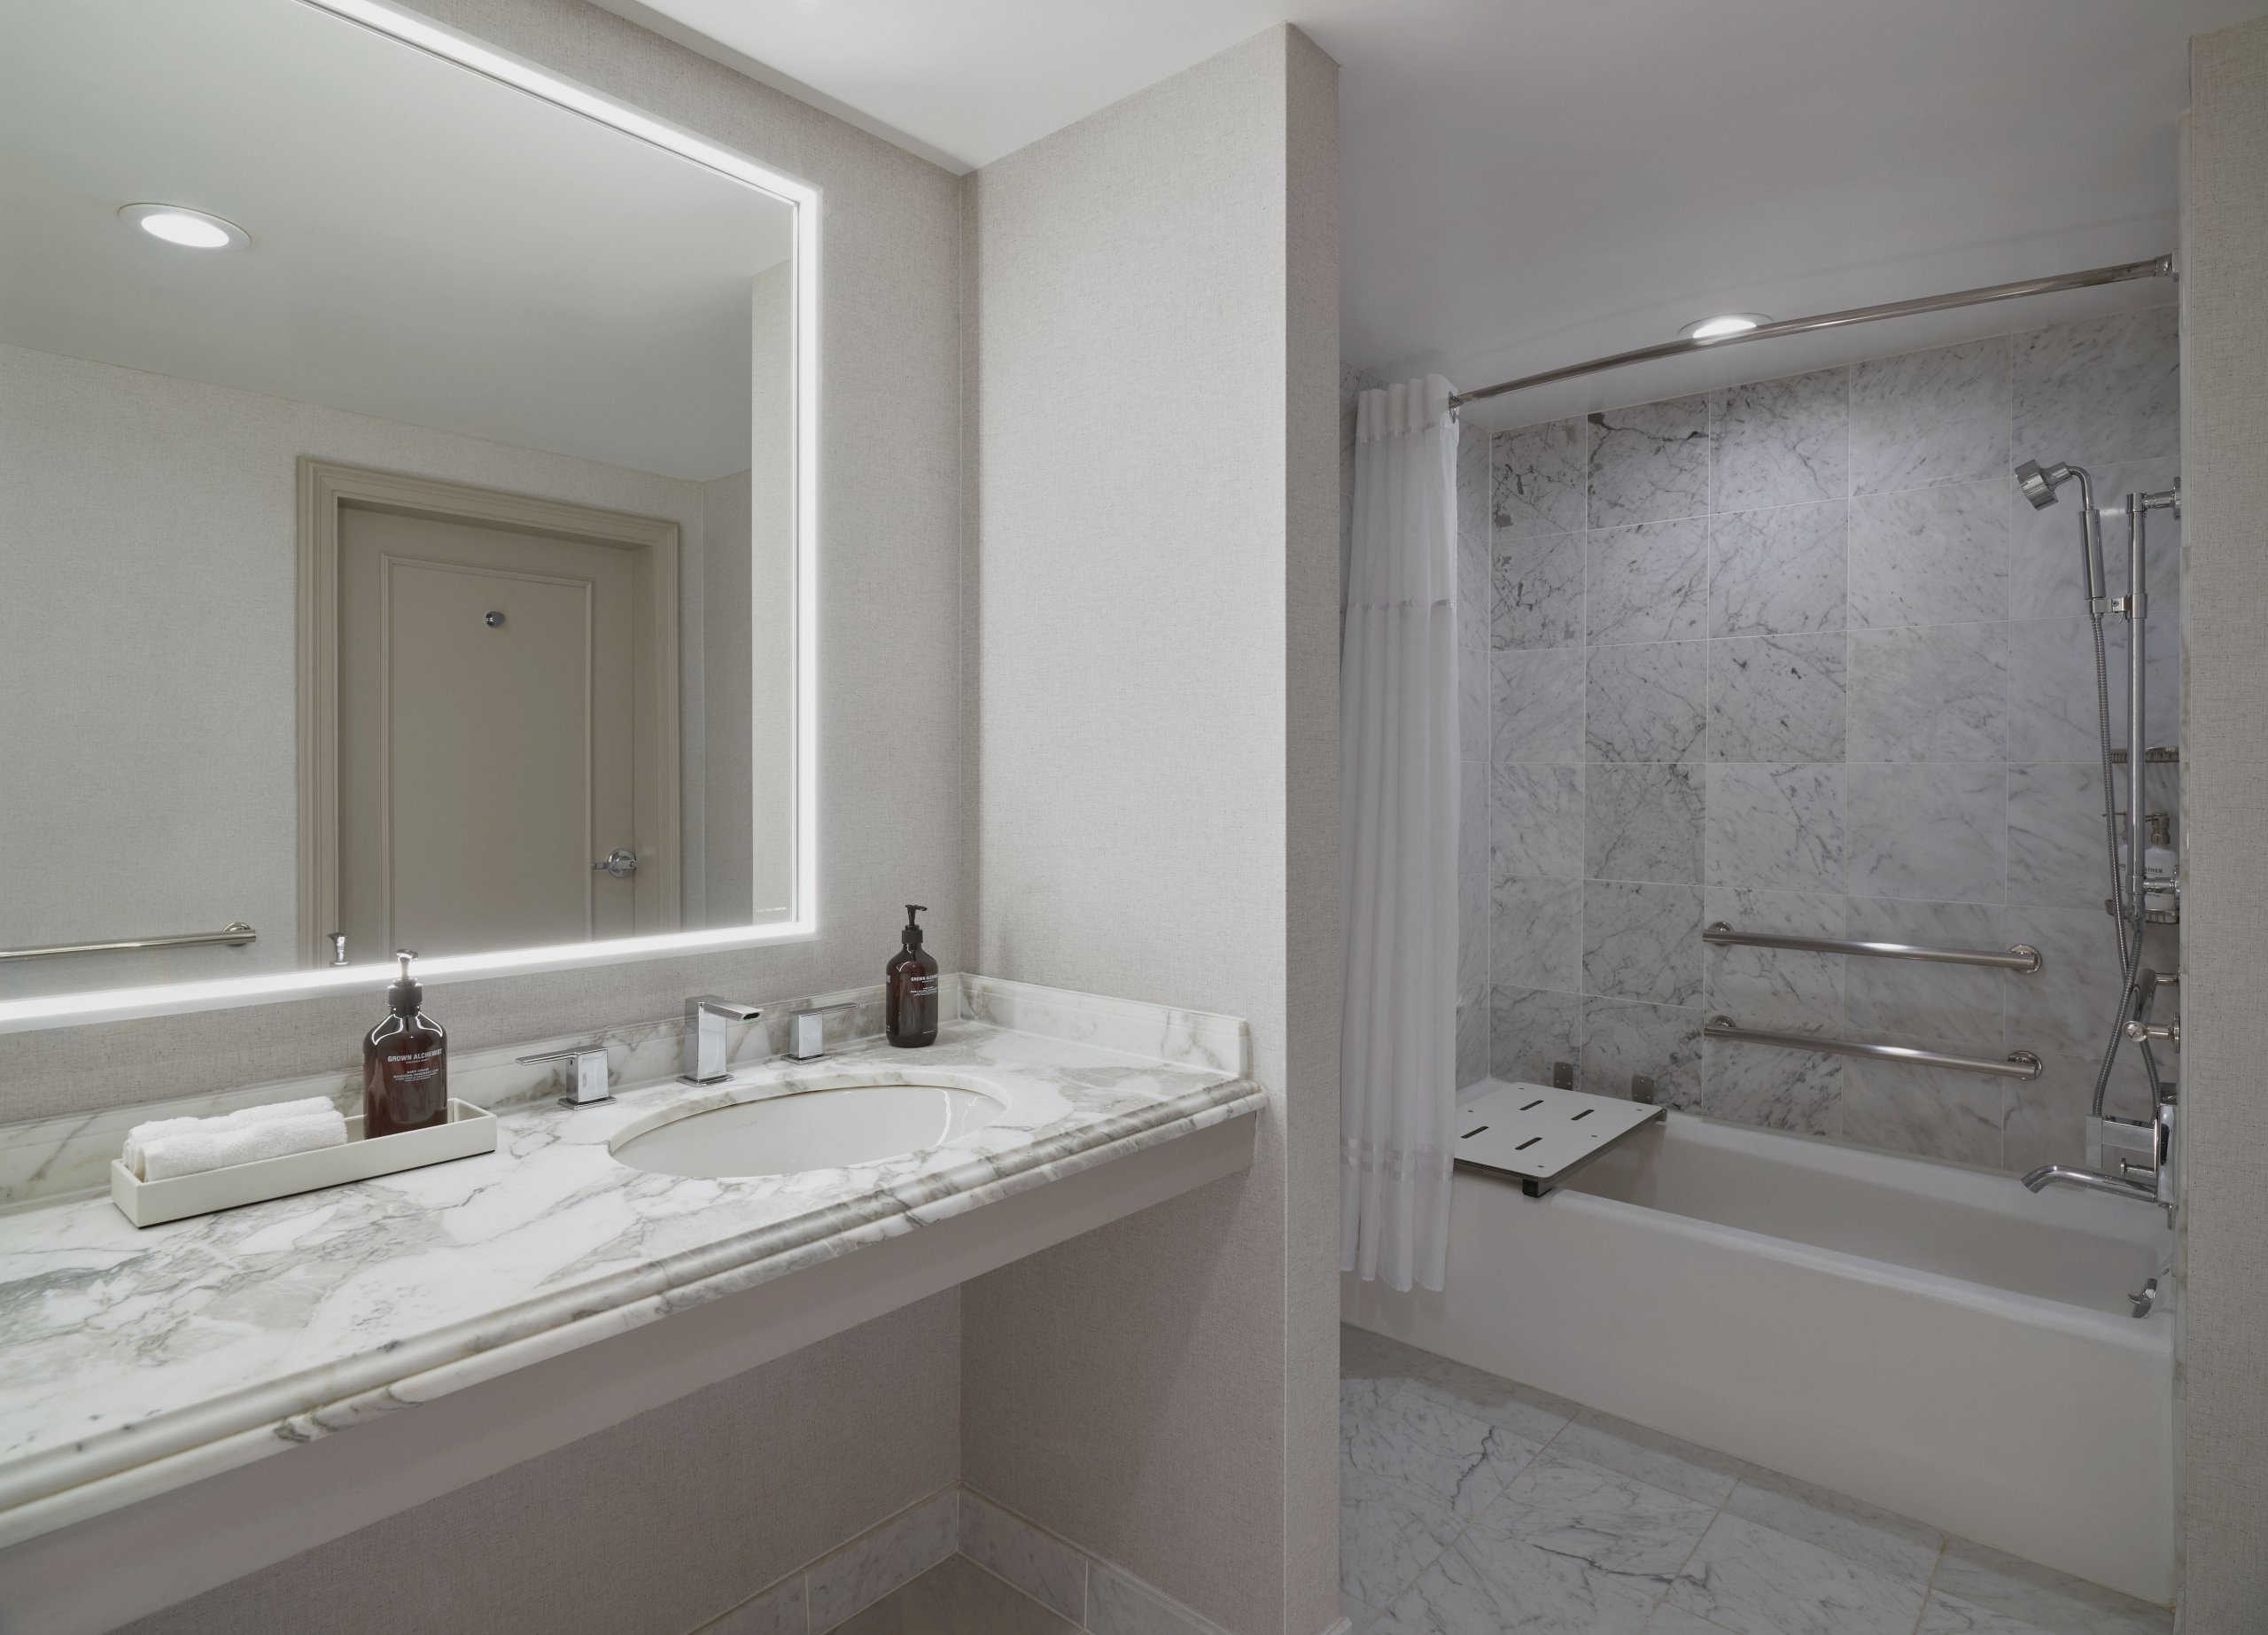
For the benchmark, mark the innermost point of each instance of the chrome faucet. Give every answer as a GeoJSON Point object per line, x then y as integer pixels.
{"type": "Point", "coordinates": [707, 1046]}
{"type": "Point", "coordinates": [807, 1032]}
{"type": "Point", "coordinates": [589, 1087]}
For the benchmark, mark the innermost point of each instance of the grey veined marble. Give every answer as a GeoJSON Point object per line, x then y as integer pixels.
{"type": "Point", "coordinates": [1622, 1038]}
{"type": "Point", "coordinates": [1776, 827]}
{"type": "Point", "coordinates": [1650, 462]}
{"type": "Point", "coordinates": [1538, 590]}
{"type": "Point", "coordinates": [1938, 833]}
{"type": "Point", "coordinates": [1780, 442]}
{"type": "Point", "coordinates": [1646, 703]}
{"type": "Point", "coordinates": [1649, 582]}
{"type": "Point", "coordinates": [1537, 713]}
{"type": "Point", "coordinates": [1776, 699]}
{"type": "Point", "coordinates": [1642, 822]}
{"type": "Point", "coordinates": [1643, 941]}
{"type": "Point", "coordinates": [1930, 418]}
{"type": "Point", "coordinates": [2098, 390]}
{"type": "Point", "coordinates": [1935, 692]}
{"type": "Point", "coordinates": [1771, 572]}
{"type": "Point", "coordinates": [1542, 478]}
{"type": "Point", "coordinates": [1931, 555]}
{"type": "Point", "coordinates": [1535, 822]}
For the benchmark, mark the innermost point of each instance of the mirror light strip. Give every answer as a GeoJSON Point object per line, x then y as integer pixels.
{"type": "Point", "coordinates": [119, 1004]}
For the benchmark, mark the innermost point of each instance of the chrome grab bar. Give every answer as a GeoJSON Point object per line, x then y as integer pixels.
{"type": "Point", "coordinates": [2018, 1064]}
{"type": "Point", "coordinates": [236, 935]}
{"type": "Point", "coordinates": [2022, 958]}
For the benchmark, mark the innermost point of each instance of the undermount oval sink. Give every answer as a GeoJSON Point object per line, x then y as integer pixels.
{"type": "Point", "coordinates": [809, 1130]}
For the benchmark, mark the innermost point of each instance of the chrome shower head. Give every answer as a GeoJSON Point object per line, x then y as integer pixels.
{"type": "Point", "coordinates": [2039, 487]}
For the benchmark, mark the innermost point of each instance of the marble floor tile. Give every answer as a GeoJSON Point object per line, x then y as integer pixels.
{"type": "Point", "coordinates": [1776, 827]}
{"type": "Point", "coordinates": [1536, 933]}
{"type": "Point", "coordinates": [1649, 582]}
{"type": "Point", "coordinates": [1536, 714]}
{"type": "Point", "coordinates": [1642, 941]}
{"type": "Point", "coordinates": [1668, 1620]}
{"type": "Point", "coordinates": [1610, 1521]}
{"type": "Point", "coordinates": [2095, 390]}
{"type": "Point", "coordinates": [957, 1597]}
{"type": "Point", "coordinates": [1359, 1618]}
{"type": "Point", "coordinates": [1777, 698]}
{"type": "Point", "coordinates": [1531, 1030]}
{"type": "Point", "coordinates": [1928, 693]}
{"type": "Point", "coordinates": [1387, 1535]}
{"type": "Point", "coordinates": [1516, 1589]}
{"type": "Point", "coordinates": [1778, 572]}
{"type": "Point", "coordinates": [1931, 555]}
{"type": "Point", "coordinates": [2058, 854]}
{"type": "Point", "coordinates": [2041, 1597]}
{"type": "Point", "coordinates": [1535, 821]}
{"type": "Point", "coordinates": [1949, 1615]}
{"type": "Point", "coordinates": [1771, 1088]}
{"type": "Point", "coordinates": [1646, 703]}
{"type": "Point", "coordinates": [1542, 475]}
{"type": "Point", "coordinates": [1780, 442]}
{"type": "Point", "coordinates": [1771, 987]}
{"type": "Point", "coordinates": [1457, 1461]}
{"type": "Point", "coordinates": [1928, 417]}
{"type": "Point", "coordinates": [1536, 1416]}
{"type": "Point", "coordinates": [1663, 1042]}
{"type": "Point", "coordinates": [1754, 1579]}
{"type": "Point", "coordinates": [1930, 833]}
{"type": "Point", "coordinates": [1642, 822]}
{"type": "Point", "coordinates": [1682, 1468]}
{"type": "Point", "coordinates": [1537, 590]}
{"type": "Point", "coordinates": [1364, 1355]}
{"type": "Point", "coordinates": [1650, 462]}
{"type": "Point", "coordinates": [1882, 1539]}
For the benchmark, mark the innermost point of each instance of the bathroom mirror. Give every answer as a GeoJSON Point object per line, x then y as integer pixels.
{"type": "Point", "coordinates": [406, 531]}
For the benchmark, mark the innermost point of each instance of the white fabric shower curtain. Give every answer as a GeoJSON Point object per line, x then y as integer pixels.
{"type": "Point", "coordinates": [1398, 749]}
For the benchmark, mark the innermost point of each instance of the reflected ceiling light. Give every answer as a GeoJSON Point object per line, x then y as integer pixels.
{"type": "Point", "coordinates": [1723, 324]}
{"type": "Point", "coordinates": [193, 230]}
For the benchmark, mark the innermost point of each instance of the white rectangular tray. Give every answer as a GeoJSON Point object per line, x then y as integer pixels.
{"type": "Point", "coordinates": [468, 1131]}
{"type": "Point", "coordinates": [1539, 1135]}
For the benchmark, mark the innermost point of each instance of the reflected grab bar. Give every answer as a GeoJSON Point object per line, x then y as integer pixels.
{"type": "Point", "coordinates": [2018, 1063]}
{"type": "Point", "coordinates": [2023, 959]}
{"type": "Point", "coordinates": [235, 935]}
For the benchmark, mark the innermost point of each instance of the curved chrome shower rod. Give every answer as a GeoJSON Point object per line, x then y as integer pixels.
{"type": "Point", "coordinates": [2157, 266]}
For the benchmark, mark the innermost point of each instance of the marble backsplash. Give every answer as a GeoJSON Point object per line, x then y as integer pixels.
{"type": "Point", "coordinates": [46, 1159]}
{"type": "Point", "coordinates": [1797, 656]}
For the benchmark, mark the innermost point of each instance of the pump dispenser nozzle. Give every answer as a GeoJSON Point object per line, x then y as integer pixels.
{"type": "Point", "coordinates": [912, 935]}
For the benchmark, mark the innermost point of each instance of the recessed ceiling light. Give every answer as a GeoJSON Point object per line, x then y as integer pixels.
{"type": "Point", "coordinates": [193, 230]}
{"type": "Point", "coordinates": [1722, 325]}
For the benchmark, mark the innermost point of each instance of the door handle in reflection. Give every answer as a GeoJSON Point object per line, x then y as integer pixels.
{"type": "Point", "coordinates": [621, 863]}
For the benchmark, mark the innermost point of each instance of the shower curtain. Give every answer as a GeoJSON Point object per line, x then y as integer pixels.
{"type": "Point", "coordinates": [1398, 758]}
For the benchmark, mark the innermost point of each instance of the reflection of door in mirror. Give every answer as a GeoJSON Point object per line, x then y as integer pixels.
{"type": "Point", "coordinates": [488, 754]}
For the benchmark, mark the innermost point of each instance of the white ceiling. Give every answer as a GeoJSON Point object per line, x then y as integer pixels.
{"type": "Point", "coordinates": [1529, 184]}
{"type": "Point", "coordinates": [427, 245]}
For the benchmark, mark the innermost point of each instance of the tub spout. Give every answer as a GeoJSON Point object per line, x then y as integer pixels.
{"type": "Point", "coordinates": [2049, 1174]}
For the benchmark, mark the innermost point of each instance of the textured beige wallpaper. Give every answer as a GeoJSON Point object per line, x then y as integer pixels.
{"type": "Point", "coordinates": [1153, 795]}
{"type": "Point", "coordinates": [2224, 1311]}
{"type": "Point", "coordinates": [889, 611]}
{"type": "Point", "coordinates": [652, 1527]}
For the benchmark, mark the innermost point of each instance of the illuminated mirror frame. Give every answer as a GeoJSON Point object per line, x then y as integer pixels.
{"type": "Point", "coordinates": [802, 921]}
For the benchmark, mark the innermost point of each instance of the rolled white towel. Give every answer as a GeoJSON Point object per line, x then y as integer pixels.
{"type": "Point", "coordinates": [141, 1135]}
{"type": "Point", "coordinates": [219, 1144]}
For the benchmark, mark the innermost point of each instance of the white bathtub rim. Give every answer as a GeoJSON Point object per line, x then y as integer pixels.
{"type": "Point", "coordinates": [2147, 1336]}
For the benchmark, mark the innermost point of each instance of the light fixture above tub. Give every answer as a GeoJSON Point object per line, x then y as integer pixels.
{"type": "Point", "coordinates": [1723, 324]}
{"type": "Point", "coordinates": [192, 229]}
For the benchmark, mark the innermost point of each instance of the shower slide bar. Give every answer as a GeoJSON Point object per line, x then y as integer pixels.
{"type": "Point", "coordinates": [2017, 1064]}
{"type": "Point", "coordinates": [2157, 266]}
{"type": "Point", "coordinates": [2022, 959]}
{"type": "Point", "coordinates": [235, 934]}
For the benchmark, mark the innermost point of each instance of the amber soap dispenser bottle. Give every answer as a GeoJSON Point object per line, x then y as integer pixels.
{"type": "Point", "coordinates": [405, 1064]}
{"type": "Point", "coordinates": [910, 988]}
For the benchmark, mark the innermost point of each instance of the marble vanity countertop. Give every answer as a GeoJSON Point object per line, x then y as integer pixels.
{"type": "Point", "coordinates": [137, 1359]}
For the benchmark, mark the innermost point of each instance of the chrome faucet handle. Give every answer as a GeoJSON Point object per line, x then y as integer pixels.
{"type": "Point", "coordinates": [337, 940]}
{"type": "Point", "coordinates": [807, 1030]}
{"type": "Point", "coordinates": [706, 1052]}
{"type": "Point", "coordinates": [589, 1086]}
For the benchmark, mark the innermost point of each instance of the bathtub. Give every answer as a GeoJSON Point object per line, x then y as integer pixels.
{"type": "Point", "coordinates": [1931, 1339]}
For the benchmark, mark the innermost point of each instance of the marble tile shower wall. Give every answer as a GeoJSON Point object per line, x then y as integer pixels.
{"type": "Point", "coordinates": [1795, 655]}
